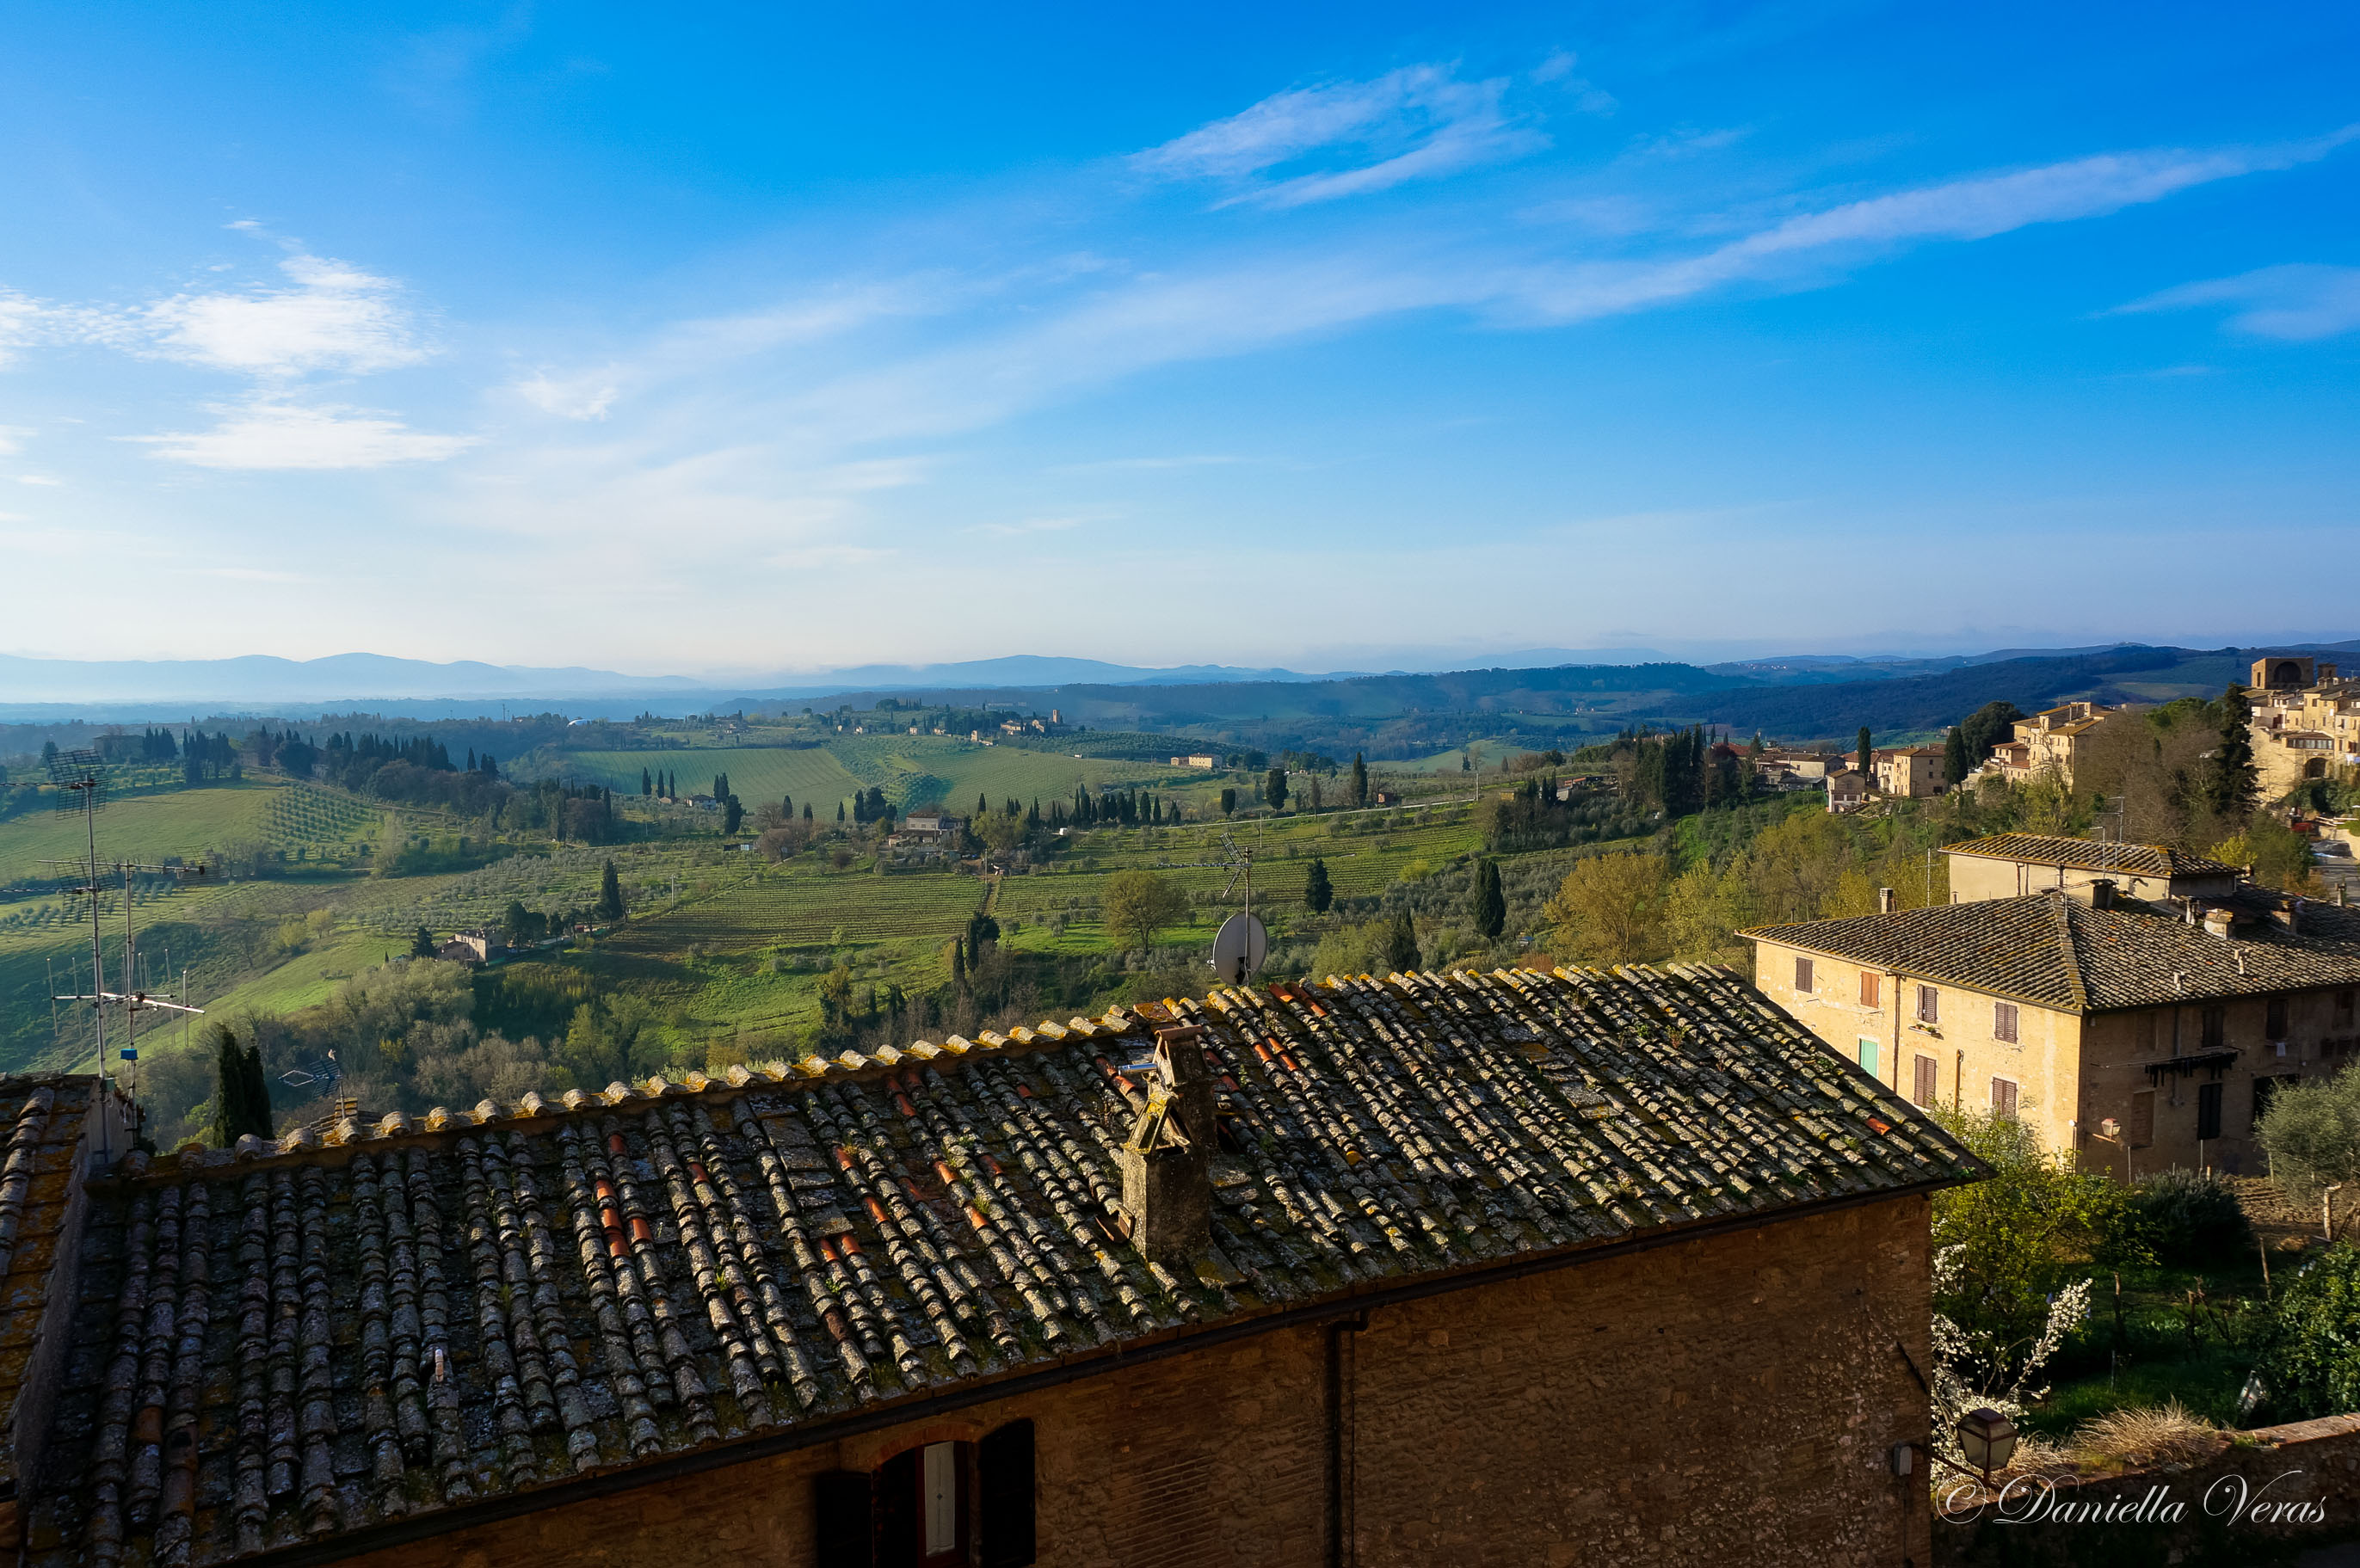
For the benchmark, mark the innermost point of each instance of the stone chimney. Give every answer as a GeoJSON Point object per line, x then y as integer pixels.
{"type": "Point", "coordinates": [1167, 1190]}
{"type": "Point", "coordinates": [1887, 902]}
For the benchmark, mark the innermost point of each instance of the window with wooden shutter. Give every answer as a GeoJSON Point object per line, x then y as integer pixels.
{"type": "Point", "coordinates": [1926, 1075]}
{"type": "Point", "coordinates": [842, 1531]}
{"type": "Point", "coordinates": [1867, 1045]}
{"type": "Point", "coordinates": [2003, 1022]}
{"type": "Point", "coordinates": [1929, 1005]}
{"type": "Point", "coordinates": [2208, 1110]}
{"type": "Point", "coordinates": [2216, 1027]}
{"type": "Point", "coordinates": [1003, 1484]}
{"type": "Point", "coordinates": [2004, 1098]}
{"type": "Point", "coordinates": [2274, 1019]}
{"type": "Point", "coordinates": [1871, 990]}
{"type": "Point", "coordinates": [2143, 1118]}
{"type": "Point", "coordinates": [1803, 974]}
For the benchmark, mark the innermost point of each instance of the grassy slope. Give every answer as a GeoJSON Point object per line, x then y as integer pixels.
{"type": "Point", "coordinates": [147, 827]}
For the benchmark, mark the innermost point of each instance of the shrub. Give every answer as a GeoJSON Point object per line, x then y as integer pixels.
{"type": "Point", "coordinates": [2312, 1362]}
{"type": "Point", "coordinates": [2313, 1134]}
{"type": "Point", "coordinates": [2191, 1217]}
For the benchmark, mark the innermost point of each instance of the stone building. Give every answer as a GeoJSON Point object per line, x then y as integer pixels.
{"type": "Point", "coordinates": [2306, 723]}
{"type": "Point", "coordinates": [2053, 741]}
{"type": "Point", "coordinates": [2138, 1032]}
{"type": "Point", "coordinates": [1512, 1269]}
{"type": "Point", "coordinates": [1910, 772]}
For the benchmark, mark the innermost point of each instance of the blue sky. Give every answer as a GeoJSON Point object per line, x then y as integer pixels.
{"type": "Point", "coordinates": [785, 337]}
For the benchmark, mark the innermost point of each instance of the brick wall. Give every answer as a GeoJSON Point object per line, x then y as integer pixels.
{"type": "Point", "coordinates": [1728, 1398]}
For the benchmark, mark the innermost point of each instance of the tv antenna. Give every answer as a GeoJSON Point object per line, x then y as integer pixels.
{"type": "Point", "coordinates": [80, 778]}
{"type": "Point", "coordinates": [1241, 945]}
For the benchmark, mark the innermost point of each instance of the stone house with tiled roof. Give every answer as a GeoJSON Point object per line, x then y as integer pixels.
{"type": "Point", "coordinates": [1520, 1268]}
{"type": "Point", "coordinates": [2010, 864]}
{"type": "Point", "coordinates": [2138, 1034]}
{"type": "Point", "coordinates": [2306, 723]}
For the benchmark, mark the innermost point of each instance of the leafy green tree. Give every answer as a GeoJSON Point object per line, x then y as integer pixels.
{"type": "Point", "coordinates": [422, 945]}
{"type": "Point", "coordinates": [1138, 904]}
{"type": "Point", "coordinates": [1273, 788]}
{"type": "Point", "coordinates": [1609, 910]}
{"type": "Point", "coordinates": [1490, 901]}
{"type": "Point", "coordinates": [1401, 944]}
{"type": "Point", "coordinates": [2312, 1134]}
{"type": "Point", "coordinates": [1865, 753]}
{"type": "Point", "coordinates": [2231, 783]}
{"type": "Point", "coordinates": [610, 894]}
{"type": "Point", "coordinates": [1319, 893]}
{"type": "Point", "coordinates": [2312, 1365]}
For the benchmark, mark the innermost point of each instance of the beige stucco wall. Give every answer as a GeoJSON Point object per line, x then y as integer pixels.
{"type": "Point", "coordinates": [2042, 1064]}
{"type": "Point", "coordinates": [2071, 1074]}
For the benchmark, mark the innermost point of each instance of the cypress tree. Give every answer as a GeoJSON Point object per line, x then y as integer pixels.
{"type": "Point", "coordinates": [1491, 901]}
{"type": "Point", "coordinates": [610, 894]}
{"type": "Point", "coordinates": [422, 945]}
{"type": "Point", "coordinates": [241, 1095]}
{"type": "Point", "coordinates": [1319, 893]}
{"type": "Point", "coordinates": [1401, 944]}
{"type": "Point", "coordinates": [1360, 780]}
{"type": "Point", "coordinates": [647, 782]}
{"type": "Point", "coordinates": [982, 807]}
{"type": "Point", "coordinates": [2230, 784]}
{"type": "Point", "coordinates": [1955, 756]}
{"type": "Point", "coordinates": [787, 806]}
{"type": "Point", "coordinates": [1867, 752]}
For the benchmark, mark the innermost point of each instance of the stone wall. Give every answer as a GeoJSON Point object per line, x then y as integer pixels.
{"type": "Point", "coordinates": [2260, 1499]}
{"type": "Point", "coordinates": [1731, 1398]}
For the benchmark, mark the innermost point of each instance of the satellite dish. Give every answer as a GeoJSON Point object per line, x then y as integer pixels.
{"type": "Point", "coordinates": [1239, 948]}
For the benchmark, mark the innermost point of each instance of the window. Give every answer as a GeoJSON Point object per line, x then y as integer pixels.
{"type": "Point", "coordinates": [2343, 1007]}
{"type": "Point", "coordinates": [1870, 990]}
{"type": "Point", "coordinates": [2216, 1027]}
{"type": "Point", "coordinates": [1802, 974]}
{"type": "Point", "coordinates": [2004, 1098]}
{"type": "Point", "coordinates": [1868, 1055]}
{"type": "Point", "coordinates": [2142, 1118]}
{"type": "Point", "coordinates": [945, 1505]}
{"type": "Point", "coordinates": [1926, 1080]}
{"type": "Point", "coordinates": [2264, 1089]}
{"type": "Point", "coordinates": [1929, 1005]}
{"type": "Point", "coordinates": [2274, 1019]}
{"type": "Point", "coordinates": [2003, 1022]}
{"type": "Point", "coordinates": [2208, 1110]}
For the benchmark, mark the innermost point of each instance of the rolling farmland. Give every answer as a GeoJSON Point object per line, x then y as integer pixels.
{"type": "Point", "coordinates": [911, 769]}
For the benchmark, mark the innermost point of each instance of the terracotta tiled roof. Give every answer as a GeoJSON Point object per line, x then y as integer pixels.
{"type": "Point", "coordinates": [2084, 854]}
{"type": "Point", "coordinates": [2046, 949]}
{"type": "Point", "coordinates": [41, 1118]}
{"type": "Point", "coordinates": [293, 1342]}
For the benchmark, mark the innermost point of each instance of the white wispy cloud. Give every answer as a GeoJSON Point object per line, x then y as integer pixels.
{"type": "Point", "coordinates": [270, 434]}
{"type": "Point", "coordinates": [1417, 122]}
{"type": "Point", "coordinates": [585, 395]}
{"type": "Point", "coordinates": [330, 316]}
{"type": "Point", "coordinates": [2299, 301]}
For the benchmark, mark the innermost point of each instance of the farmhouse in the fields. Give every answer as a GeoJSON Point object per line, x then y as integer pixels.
{"type": "Point", "coordinates": [1511, 1268]}
{"type": "Point", "coordinates": [2137, 1005]}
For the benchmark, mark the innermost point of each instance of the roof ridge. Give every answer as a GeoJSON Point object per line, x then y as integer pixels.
{"type": "Point", "coordinates": [2070, 948]}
